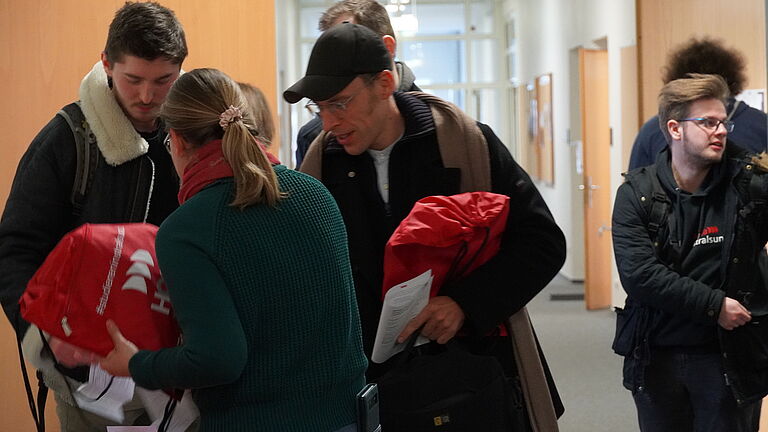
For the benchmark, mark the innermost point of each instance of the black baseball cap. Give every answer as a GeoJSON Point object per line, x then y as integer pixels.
{"type": "Point", "coordinates": [340, 54]}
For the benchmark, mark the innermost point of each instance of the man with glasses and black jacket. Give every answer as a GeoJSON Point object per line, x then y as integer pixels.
{"type": "Point", "coordinates": [687, 235]}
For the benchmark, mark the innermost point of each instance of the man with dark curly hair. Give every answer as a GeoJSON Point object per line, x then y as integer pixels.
{"type": "Point", "coordinates": [706, 56]}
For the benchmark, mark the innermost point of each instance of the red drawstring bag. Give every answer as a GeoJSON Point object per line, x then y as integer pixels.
{"type": "Point", "coordinates": [452, 235]}
{"type": "Point", "coordinates": [99, 272]}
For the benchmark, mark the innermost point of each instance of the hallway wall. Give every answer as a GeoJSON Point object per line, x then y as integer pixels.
{"type": "Point", "coordinates": [548, 32]}
{"type": "Point", "coordinates": [48, 46]}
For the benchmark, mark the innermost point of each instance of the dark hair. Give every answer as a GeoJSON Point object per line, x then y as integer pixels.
{"type": "Point", "coordinates": [193, 109]}
{"type": "Point", "coordinates": [676, 97]}
{"type": "Point", "coordinates": [369, 13]}
{"type": "Point", "coordinates": [148, 31]}
{"type": "Point", "coordinates": [707, 56]}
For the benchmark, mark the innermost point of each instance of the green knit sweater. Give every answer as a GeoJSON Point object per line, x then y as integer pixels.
{"type": "Point", "coordinates": [266, 303]}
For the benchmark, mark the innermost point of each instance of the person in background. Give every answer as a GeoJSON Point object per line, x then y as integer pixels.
{"type": "Point", "coordinates": [262, 115]}
{"type": "Point", "coordinates": [372, 14]}
{"type": "Point", "coordinates": [694, 357]}
{"type": "Point", "coordinates": [706, 56]}
{"type": "Point", "coordinates": [269, 345]}
{"type": "Point", "coordinates": [132, 178]}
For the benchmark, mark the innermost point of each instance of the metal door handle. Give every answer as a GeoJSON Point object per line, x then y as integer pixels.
{"type": "Point", "coordinates": [589, 187]}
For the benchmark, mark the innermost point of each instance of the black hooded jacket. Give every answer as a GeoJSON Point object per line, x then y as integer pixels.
{"type": "Point", "coordinates": [707, 249]}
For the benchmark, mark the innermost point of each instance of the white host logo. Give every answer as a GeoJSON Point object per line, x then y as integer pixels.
{"type": "Point", "coordinates": [139, 275]}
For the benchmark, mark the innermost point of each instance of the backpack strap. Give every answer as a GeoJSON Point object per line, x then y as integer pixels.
{"type": "Point", "coordinates": [652, 198]}
{"type": "Point", "coordinates": [87, 154]}
{"type": "Point", "coordinates": [36, 407]}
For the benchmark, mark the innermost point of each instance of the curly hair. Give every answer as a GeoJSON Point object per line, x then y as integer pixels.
{"type": "Point", "coordinates": [707, 56]}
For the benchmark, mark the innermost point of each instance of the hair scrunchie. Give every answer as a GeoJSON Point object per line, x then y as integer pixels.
{"type": "Point", "coordinates": [230, 115]}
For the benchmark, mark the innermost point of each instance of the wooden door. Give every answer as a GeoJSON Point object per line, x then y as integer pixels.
{"type": "Point", "coordinates": [595, 136]}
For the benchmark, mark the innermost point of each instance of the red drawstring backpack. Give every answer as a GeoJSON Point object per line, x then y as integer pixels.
{"type": "Point", "coordinates": [452, 235]}
{"type": "Point", "coordinates": [99, 272]}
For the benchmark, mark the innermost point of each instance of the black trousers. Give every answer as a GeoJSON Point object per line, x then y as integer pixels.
{"type": "Point", "coordinates": [687, 392]}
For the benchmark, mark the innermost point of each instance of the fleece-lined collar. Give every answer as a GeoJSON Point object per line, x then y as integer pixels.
{"type": "Point", "coordinates": [116, 137]}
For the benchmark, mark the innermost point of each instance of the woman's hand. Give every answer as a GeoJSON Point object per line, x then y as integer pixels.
{"type": "Point", "coordinates": [116, 362]}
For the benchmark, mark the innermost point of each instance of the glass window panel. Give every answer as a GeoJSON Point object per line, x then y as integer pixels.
{"type": "Point", "coordinates": [308, 18]}
{"type": "Point", "coordinates": [488, 107]}
{"type": "Point", "coordinates": [435, 62]}
{"type": "Point", "coordinates": [455, 96]}
{"type": "Point", "coordinates": [481, 16]}
{"type": "Point", "coordinates": [433, 19]}
{"type": "Point", "coordinates": [485, 55]}
{"type": "Point", "coordinates": [306, 50]}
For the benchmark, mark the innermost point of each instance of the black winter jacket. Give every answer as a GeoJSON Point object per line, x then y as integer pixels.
{"type": "Point", "coordinates": [39, 211]}
{"type": "Point", "coordinates": [681, 288]}
{"type": "Point", "coordinates": [532, 250]}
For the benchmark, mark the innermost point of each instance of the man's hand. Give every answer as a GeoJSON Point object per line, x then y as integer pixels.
{"type": "Point", "coordinates": [733, 314]}
{"type": "Point", "coordinates": [70, 355]}
{"type": "Point", "coordinates": [442, 318]}
{"type": "Point", "coordinates": [116, 362]}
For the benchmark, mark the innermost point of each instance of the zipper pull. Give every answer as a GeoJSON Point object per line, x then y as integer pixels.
{"type": "Point", "coordinates": [65, 327]}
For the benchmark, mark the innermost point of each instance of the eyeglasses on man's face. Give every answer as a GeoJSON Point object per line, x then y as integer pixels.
{"type": "Point", "coordinates": [338, 108]}
{"type": "Point", "coordinates": [710, 124]}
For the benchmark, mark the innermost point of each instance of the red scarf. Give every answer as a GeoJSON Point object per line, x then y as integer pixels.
{"type": "Point", "coordinates": [208, 166]}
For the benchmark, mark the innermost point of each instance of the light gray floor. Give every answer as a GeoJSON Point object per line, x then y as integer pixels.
{"type": "Point", "coordinates": [577, 345]}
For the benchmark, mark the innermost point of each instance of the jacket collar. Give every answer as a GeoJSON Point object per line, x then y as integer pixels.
{"type": "Point", "coordinates": [417, 115]}
{"type": "Point", "coordinates": [407, 78]}
{"type": "Point", "coordinates": [116, 137]}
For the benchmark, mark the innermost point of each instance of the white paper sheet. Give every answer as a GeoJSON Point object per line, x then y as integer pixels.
{"type": "Point", "coordinates": [116, 392]}
{"type": "Point", "coordinates": [155, 401]}
{"type": "Point", "coordinates": [401, 304]}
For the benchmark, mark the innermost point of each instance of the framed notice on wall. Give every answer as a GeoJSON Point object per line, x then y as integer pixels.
{"type": "Point", "coordinates": [530, 130]}
{"type": "Point", "coordinates": [545, 133]}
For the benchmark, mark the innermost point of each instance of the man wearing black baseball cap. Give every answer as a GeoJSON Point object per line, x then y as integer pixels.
{"type": "Point", "coordinates": [372, 14]}
{"type": "Point", "coordinates": [381, 151]}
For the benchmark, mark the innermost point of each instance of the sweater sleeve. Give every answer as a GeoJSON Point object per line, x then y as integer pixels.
{"type": "Point", "coordinates": [532, 249]}
{"type": "Point", "coordinates": [214, 348]}
{"type": "Point", "coordinates": [648, 280]}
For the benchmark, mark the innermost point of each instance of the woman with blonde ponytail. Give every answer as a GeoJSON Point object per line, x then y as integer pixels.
{"type": "Point", "coordinates": [268, 345]}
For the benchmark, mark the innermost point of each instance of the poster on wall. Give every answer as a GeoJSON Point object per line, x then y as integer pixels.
{"type": "Point", "coordinates": [532, 132]}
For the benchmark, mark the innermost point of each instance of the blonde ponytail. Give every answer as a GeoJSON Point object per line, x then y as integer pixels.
{"type": "Point", "coordinates": [255, 180]}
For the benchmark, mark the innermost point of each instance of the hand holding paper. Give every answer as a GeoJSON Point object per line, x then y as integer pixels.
{"type": "Point", "coordinates": [441, 318]}
{"type": "Point", "coordinates": [402, 303]}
